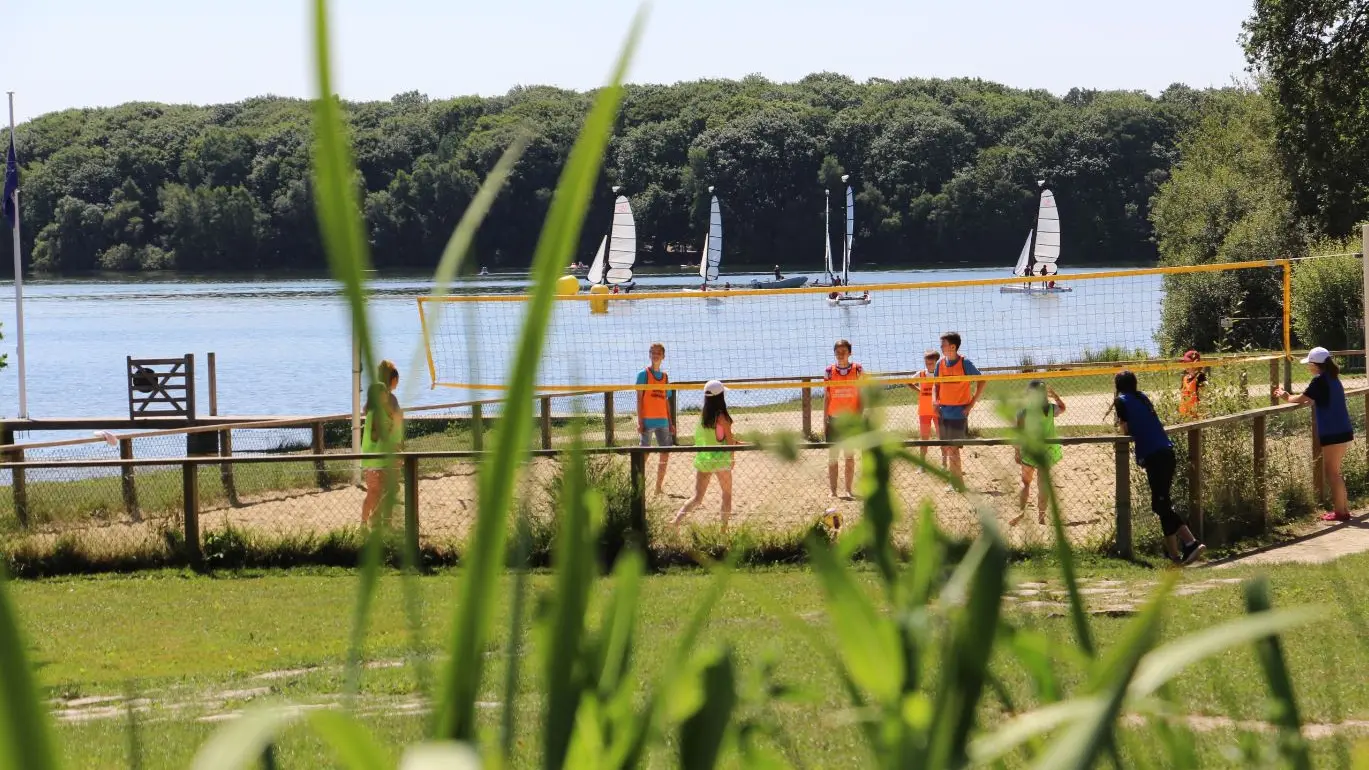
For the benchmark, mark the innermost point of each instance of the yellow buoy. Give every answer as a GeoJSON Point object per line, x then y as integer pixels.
{"type": "Point", "coordinates": [567, 284]}
{"type": "Point", "coordinates": [598, 305]}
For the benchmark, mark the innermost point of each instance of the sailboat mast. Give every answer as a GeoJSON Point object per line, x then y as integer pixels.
{"type": "Point", "coordinates": [608, 243]}
{"type": "Point", "coordinates": [846, 242]}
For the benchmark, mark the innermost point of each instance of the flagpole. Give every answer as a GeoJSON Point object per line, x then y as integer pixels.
{"type": "Point", "coordinates": [19, 289]}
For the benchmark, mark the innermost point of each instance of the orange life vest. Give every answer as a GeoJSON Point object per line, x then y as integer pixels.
{"type": "Point", "coordinates": [953, 393]}
{"type": "Point", "coordinates": [924, 397]}
{"type": "Point", "coordinates": [655, 405]}
{"type": "Point", "coordinates": [1188, 395]}
{"type": "Point", "coordinates": [843, 399]}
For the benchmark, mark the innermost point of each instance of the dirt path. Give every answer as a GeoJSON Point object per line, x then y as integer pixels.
{"type": "Point", "coordinates": [1319, 544]}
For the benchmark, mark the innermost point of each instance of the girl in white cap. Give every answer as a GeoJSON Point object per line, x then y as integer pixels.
{"type": "Point", "coordinates": [715, 428]}
{"type": "Point", "coordinates": [1332, 421]}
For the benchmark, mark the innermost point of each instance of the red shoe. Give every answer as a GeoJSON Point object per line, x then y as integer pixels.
{"type": "Point", "coordinates": [1335, 517]}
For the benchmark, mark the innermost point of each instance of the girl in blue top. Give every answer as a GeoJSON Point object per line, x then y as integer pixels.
{"type": "Point", "coordinates": [1332, 421]}
{"type": "Point", "coordinates": [1155, 454]}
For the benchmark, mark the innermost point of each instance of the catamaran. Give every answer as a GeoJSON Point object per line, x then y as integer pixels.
{"type": "Point", "coordinates": [1041, 251]}
{"type": "Point", "coordinates": [847, 299]}
{"type": "Point", "coordinates": [612, 265]}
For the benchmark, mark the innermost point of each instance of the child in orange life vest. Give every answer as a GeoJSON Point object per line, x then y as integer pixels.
{"type": "Point", "coordinates": [653, 410]}
{"type": "Point", "coordinates": [1189, 386]}
{"type": "Point", "coordinates": [954, 400]}
{"type": "Point", "coordinates": [839, 401]}
{"type": "Point", "coordinates": [926, 409]}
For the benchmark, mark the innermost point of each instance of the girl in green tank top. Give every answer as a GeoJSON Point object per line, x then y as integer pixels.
{"type": "Point", "coordinates": [714, 429]}
{"type": "Point", "coordinates": [1039, 397]}
{"type": "Point", "coordinates": [382, 432]}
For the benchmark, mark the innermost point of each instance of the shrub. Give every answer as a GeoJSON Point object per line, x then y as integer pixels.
{"type": "Point", "coordinates": [1328, 303]}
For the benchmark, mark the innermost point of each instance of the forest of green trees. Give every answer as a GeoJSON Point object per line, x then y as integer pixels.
{"type": "Point", "coordinates": [944, 170]}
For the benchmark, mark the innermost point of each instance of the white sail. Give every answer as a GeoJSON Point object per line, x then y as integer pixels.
{"type": "Point", "coordinates": [596, 268]}
{"type": "Point", "coordinates": [622, 245]}
{"type": "Point", "coordinates": [850, 234]}
{"type": "Point", "coordinates": [713, 244]}
{"type": "Point", "coordinates": [1046, 250]}
{"type": "Point", "coordinates": [1024, 257]}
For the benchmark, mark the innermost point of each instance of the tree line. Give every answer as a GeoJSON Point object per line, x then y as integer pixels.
{"type": "Point", "coordinates": [944, 171]}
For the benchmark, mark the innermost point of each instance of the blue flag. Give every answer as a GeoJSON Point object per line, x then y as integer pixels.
{"type": "Point", "coordinates": [11, 185]}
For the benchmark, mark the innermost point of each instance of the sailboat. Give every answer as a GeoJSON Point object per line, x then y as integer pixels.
{"type": "Point", "coordinates": [1041, 251]}
{"type": "Point", "coordinates": [830, 280]}
{"type": "Point", "coordinates": [712, 255]}
{"type": "Point", "coordinates": [612, 265]}
{"type": "Point", "coordinates": [846, 299]}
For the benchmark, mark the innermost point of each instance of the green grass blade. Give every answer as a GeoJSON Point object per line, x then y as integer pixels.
{"type": "Point", "coordinates": [241, 742]}
{"type": "Point", "coordinates": [866, 639]}
{"type": "Point", "coordinates": [440, 755]}
{"type": "Point", "coordinates": [1169, 661]}
{"type": "Point", "coordinates": [881, 510]}
{"type": "Point", "coordinates": [564, 633]}
{"type": "Point", "coordinates": [25, 737]}
{"type": "Point", "coordinates": [513, 652]}
{"type": "Point", "coordinates": [352, 744]}
{"type": "Point", "coordinates": [1016, 733]}
{"type": "Point", "coordinates": [1065, 555]}
{"type": "Point", "coordinates": [702, 735]}
{"type": "Point", "coordinates": [615, 637]}
{"type": "Point", "coordinates": [455, 717]}
{"type": "Point", "coordinates": [1292, 746]}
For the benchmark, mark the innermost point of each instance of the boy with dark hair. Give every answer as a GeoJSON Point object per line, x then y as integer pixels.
{"type": "Point", "coordinates": [1155, 454]}
{"type": "Point", "coordinates": [839, 400]}
{"type": "Point", "coordinates": [954, 400]}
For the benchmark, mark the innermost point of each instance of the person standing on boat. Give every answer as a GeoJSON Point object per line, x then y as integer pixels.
{"type": "Point", "coordinates": [778, 276]}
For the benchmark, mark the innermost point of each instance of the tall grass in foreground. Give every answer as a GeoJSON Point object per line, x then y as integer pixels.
{"type": "Point", "coordinates": [918, 660]}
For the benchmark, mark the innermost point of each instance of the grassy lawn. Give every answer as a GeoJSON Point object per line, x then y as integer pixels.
{"type": "Point", "coordinates": [197, 647]}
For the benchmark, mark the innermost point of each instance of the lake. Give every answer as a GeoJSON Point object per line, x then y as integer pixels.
{"type": "Point", "coordinates": [283, 346]}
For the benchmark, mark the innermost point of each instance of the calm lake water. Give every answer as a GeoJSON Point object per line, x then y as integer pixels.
{"type": "Point", "coordinates": [283, 346]}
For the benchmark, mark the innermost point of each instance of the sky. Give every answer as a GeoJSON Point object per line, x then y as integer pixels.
{"type": "Point", "coordinates": [57, 54]}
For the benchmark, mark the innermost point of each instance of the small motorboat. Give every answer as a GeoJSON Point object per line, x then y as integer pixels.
{"type": "Point", "coordinates": [793, 282]}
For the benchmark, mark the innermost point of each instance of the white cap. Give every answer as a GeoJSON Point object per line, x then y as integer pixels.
{"type": "Point", "coordinates": [713, 388]}
{"type": "Point", "coordinates": [1317, 356]}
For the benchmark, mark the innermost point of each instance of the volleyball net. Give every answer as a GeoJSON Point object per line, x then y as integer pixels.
{"type": "Point", "coordinates": [772, 347]}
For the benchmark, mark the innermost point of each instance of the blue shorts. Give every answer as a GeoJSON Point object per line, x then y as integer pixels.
{"type": "Point", "coordinates": [663, 437]}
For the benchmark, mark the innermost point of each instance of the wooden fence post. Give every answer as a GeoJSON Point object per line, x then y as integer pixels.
{"type": "Point", "coordinates": [127, 475]}
{"type": "Point", "coordinates": [226, 477]}
{"type": "Point", "coordinates": [1195, 479]}
{"type": "Point", "coordinates": [1318, 467]}
{"type": "Point", "coordinates": [1273, 381]}
{"type": "Point", "coordinates": [807, 408]}
{"type": "Point", "coordinates": [1288, 374]}
{"type": "Point", "coordinates": [638, 474]}
{"type": "Point", "coordinates": [1261, 467]}
{"type": "Point", "coordinates": [477, 427]}
{"type": "Point", "coordinates": [608, 418]}
{"type": "Point", "coordinates": [1122, 457]}
{"type": "Point", "coordinates": [316, 444]}
{"type": "Point", "coordinates": [18, 478]}
{"type": "Point", "coordinates": [411, 507]}
{"type": "Point", "coordinates": [190, 499]}
{"type": "Point", "coordinates": [546, 422]}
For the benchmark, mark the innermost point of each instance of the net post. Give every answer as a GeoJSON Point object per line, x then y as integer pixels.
{"type": "Point", "coordinates": [1122, 483]}
{"type": "Point", "coordinates": [546, 422]}
{"type": "Point", "coordinates": [411, 507]}
{"type": "Point", "coordinates": [1261, 468]}
{"type": "Point", "coordinates": [190, 500]}
{"type": "Point", "coordinates": [608, 418]}
{"type": "Point", "coordinates": [127, 477]}
{"type": "Point", "coordinates": [807, 408]}
{"type": "Point", "coordinates": [477, 427]}
{"type": "Point", "coordinates": [674, 409]}
{"type": "Point", "coordinates": [18, 480]}
{"type": "Point", "coordinates": [1195, 479]}
{"type": "Point", "coordinates": [316, 445]}
{"type": "Point", "coordinates": [1273, 381]}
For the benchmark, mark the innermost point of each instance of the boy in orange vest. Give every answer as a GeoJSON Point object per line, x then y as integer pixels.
{"type": "Point", "coordinates": [842, 397]}
{"type": "Point", "coordinates": [653, 410]}
{"type": "Point", "coordinates": [926, 408]}
{"type": "Point", "coordinates": [1190, 386]}
{"type": "Point", "coordinates": [954, 400]}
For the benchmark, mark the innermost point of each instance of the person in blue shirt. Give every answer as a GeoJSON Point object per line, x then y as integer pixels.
{"type": "Point", "coordinates": [1331, 418]}
{"type": "Point", "coordinates": [1155, 454]}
